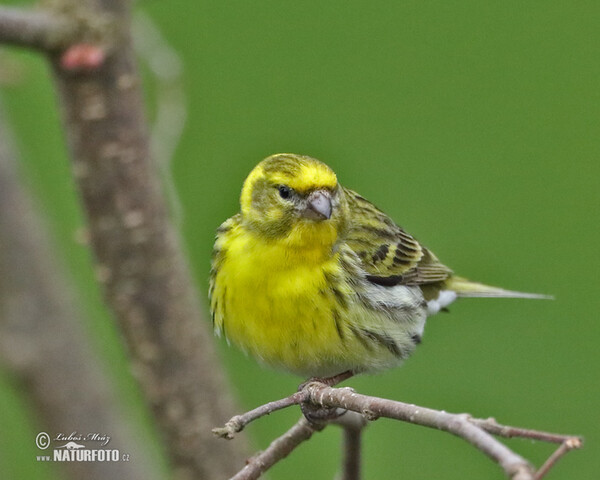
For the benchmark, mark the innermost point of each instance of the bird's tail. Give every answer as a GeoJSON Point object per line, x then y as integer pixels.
{"type": "Point", "coordinates": [467, 288]}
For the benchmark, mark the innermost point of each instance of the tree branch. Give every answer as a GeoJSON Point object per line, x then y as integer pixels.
{"type": "Point", "coordinates": [43, 344]}
{"type": "Point", "coordinates": [280, 448]}
{"type": "Point", "coordinates": [513, 465]}
{"type": "Point", "coordinates": [38, 29]}
{"type": "Point", "coordinates": [236, 424]}
{"type": "Point", "coordinates": [352, 450]}
{"type": "Point", "coordinates": [564, 448]}
{"type": "Point", "coordinates": [475, 431]}
{"type": "Point", "coordinates": [139, 259]}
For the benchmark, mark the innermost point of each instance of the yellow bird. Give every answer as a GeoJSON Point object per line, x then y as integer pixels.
{"type": "Point", "coordinates": [312, 278]}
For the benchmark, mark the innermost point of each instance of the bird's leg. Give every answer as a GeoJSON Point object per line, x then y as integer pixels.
{"type": "Point", "coordinates": [335, 379]}
{"type": "Point", "coordinates": [319, 414]}
{"type": "Point", "coordinates": [329, 381]}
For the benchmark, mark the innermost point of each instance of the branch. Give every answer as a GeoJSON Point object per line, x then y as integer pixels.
{"type": "Point", "coordinates": [138, 255]}
{"type": "Point", "coordinates": [139, 260]}
{"type": "Point", "coordinates": [353, 424]}
{"type": "Point", "coordinates": [38, 29]}
{"type": "Point", "coordinates": [566, 446]}
{"type": "Point", "coordinates": [512, 464]}
{"type": "Point", "coordinates": [475, 431]}
{"type": "Point", "coordinates": [43, 344]}
{"type": "Point", "coordinates": [236, 424]}
{"type": "Point", "coordinates": [280, 448]}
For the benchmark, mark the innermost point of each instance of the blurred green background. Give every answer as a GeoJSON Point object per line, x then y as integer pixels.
{"type": "Point", "coordinates": [475, 124]}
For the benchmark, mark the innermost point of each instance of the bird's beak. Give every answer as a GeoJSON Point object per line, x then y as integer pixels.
{"type": "Point", "coordinates": [319, 205]}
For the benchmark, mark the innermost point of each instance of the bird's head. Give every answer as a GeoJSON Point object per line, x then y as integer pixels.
{"type": "Point", "coordinates": [294, 198]}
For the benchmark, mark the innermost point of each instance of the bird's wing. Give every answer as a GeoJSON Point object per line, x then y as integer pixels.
{"type": "Point", "coordinates": [390, 256]}
{"type": "Point", "coordinates": [216, 291]}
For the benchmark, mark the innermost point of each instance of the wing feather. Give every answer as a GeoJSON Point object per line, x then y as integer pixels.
{"type": "Point", "coordinates": [390, 256]}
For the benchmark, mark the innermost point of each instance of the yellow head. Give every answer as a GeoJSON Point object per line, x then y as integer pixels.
{"type": "Point", "coordinates": [294, 198]}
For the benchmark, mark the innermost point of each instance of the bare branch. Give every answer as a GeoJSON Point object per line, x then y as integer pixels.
{"type": "Point", "coordinates": [475, 431]}
{"type": "Point", "coordinates": [42, 342]}
{"type": "Point", "coordinates": [38, 29]}
{"type": "Point", "coordinates": [137, 250]}
{"type": "Point", "coordinates": [237, 423]}
{"type": "Point", "coordinates": [565, 447]}
{"type": "Point", "coordinates": [352, 451]}
{"type": "Point", "coordinates": [138, 256]}
{"type": "Point", "coordinates": [491, 426]}
{"type": "Point", "coordinates": [461, 425]}
{"type": "Point", "coordinates": [277, 450]}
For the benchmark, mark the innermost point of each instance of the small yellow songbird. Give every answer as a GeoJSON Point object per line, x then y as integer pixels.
{"type": "Point", "coordinates": [312, 278]}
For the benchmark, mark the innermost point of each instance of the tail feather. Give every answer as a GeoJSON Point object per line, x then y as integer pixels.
{"type": "Point", "coordinates": [466, 288]}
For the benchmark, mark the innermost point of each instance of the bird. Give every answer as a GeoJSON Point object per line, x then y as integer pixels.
{"type": "Point", "coordinates": [313, 279]}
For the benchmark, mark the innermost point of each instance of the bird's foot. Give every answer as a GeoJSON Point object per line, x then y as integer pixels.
{"type": "Point", "coordinates": [319, 415]}
{"type": "Point", "coordinates": [329, 381]}
{"type": "Point", "coordinates": [316, 414]}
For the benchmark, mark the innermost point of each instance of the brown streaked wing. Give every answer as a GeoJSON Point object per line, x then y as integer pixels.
{"type": "Point", "coordinates": [390, 256]}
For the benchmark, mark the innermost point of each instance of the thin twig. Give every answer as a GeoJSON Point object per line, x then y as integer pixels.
{"type": "Point", "coordinates": [236, 424]}
{"type": "Point", "coordinates": [277, 450]}
{"type": "Point", "coordinates": [38, 29]}
{"type": "Point", "coordinates": [457, 424]}
{"type": "Point", "coordinates": [491, 426]}
{"type": "Point", "coordinates": [564, 448]}
{"type": "Point", "coordinates": [478, 432]}
{"type": "Point", "coordinates": [351, 461]}
{"type": "Point", "coordinates": [353, 424]}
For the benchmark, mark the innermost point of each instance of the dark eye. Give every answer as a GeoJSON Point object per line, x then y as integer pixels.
{"type": "Point", "coordinates": [284, 191]}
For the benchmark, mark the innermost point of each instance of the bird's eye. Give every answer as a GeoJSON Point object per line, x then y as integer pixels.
{"type": "Point", "coordinates": [284, 191]}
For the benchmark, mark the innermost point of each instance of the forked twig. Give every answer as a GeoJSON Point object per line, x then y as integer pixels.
{"type": "Point", "coordinates": [566, 446]}
{"type": "Point", "coordinates": [238, 423]}
{"type": "Point", "coordinates": [478, 432]}
{"type": "Point", "coordinates": [278, 450]}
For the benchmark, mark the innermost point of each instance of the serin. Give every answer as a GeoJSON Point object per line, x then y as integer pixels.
{"type": "Point", "coordinates": [312, 278]}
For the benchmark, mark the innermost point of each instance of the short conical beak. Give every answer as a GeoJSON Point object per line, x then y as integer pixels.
{"type": "Point", "coordinates": [319, 205]}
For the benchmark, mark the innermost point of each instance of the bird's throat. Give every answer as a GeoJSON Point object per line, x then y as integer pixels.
{"type": "Point", "coordinates": [311, 242]}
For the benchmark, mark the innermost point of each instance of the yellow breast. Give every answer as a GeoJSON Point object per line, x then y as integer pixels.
{"type": "Point", "coordinates": [275, 303]}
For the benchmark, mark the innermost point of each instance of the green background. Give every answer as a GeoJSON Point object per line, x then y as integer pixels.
{"type": "Point", "coordinates": [474, 124]}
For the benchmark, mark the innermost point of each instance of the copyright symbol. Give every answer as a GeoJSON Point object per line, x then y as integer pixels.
{"type": "Point", "coordinates": [42, 440]}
